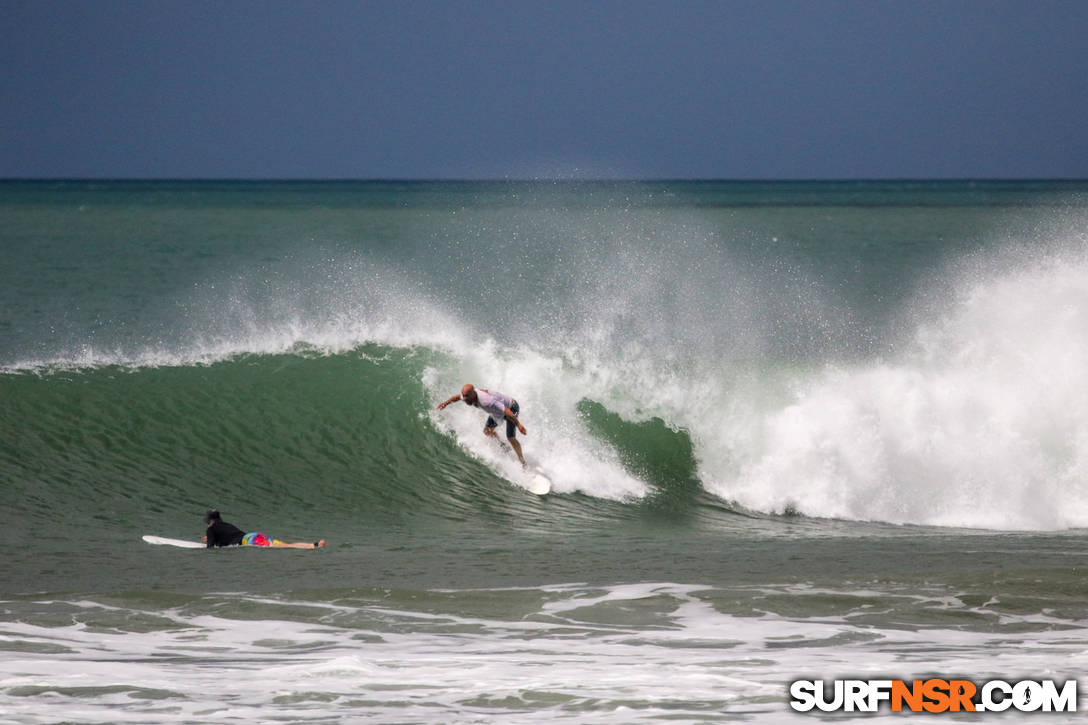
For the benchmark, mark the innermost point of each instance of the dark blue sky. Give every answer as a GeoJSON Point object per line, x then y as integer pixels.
{"type": "Point", "coordinates": [329, 89]}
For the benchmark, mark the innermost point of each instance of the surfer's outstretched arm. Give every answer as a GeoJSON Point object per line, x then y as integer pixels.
{"type": "Point", "coordinates": [468, 394]}
{"type": "Point", "coordinates": [444, 403]}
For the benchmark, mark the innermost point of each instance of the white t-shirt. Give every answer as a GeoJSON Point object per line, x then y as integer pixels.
{"type": "Point", "coordinates": [494, 404]}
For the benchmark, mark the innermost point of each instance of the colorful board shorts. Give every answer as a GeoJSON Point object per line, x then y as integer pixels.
{"type": "Point", "coordinates": [259, 539]}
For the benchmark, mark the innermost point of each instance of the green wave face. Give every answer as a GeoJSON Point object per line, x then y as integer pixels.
{"type": "Point", "coordinates": [345, 440]}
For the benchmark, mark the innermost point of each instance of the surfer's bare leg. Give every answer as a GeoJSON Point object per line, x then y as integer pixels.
{"type": "Point", "coordinates": [300, 544]}
{"type": "Point", "coordinates": [517, 449]}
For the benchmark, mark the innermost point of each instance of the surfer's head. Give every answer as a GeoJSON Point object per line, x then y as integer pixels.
{"type": "Point", "coordinates": [468, 393]}
{"type": "Point", "coordinates": [211, 515]}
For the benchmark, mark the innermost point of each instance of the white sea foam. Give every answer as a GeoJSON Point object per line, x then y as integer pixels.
{"type": "Point", "coordinates": [622, 654]}
{"type": "Point", "coordinates": [982, 422]}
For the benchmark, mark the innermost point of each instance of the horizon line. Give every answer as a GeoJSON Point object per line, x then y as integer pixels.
{"type": "Point", "coordinates": [544, 179]}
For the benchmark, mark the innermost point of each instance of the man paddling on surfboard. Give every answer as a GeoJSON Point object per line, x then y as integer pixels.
{"type": "Point", "coordinates": [498, 407]}
{"type": "Point", "coordinates": [220, 533]}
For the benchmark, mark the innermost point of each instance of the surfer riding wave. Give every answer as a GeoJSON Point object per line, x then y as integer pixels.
{"type": "Point", "coordinates": [498, 406]}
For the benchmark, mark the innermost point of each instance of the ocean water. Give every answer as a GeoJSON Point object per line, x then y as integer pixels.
{"type": "Point", "coordinates": [795, 431]}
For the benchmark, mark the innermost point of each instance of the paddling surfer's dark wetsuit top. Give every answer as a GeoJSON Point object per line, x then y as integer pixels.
{"type": "Point", "coordinates": [220, 533]}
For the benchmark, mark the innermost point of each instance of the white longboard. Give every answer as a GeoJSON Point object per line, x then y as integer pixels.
{"type": "Point", "coordinates": [183, 543]}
